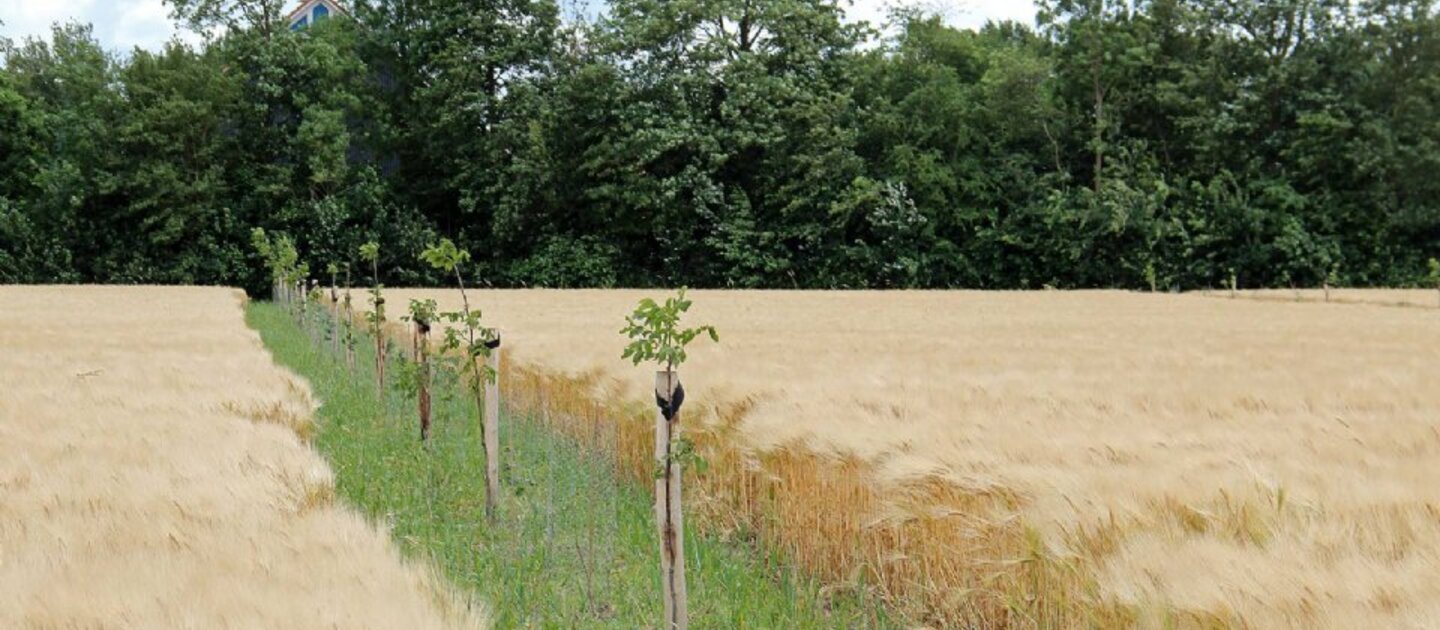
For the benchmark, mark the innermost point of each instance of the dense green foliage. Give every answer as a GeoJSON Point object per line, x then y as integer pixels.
{"type": "Point", "coordinates": [755, 143]}
{"type": "Point", "coordinates": [574, 546]}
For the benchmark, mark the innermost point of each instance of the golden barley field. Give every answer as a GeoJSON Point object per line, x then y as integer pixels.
{"type": "Point", "coordinates": [1423, 298]}
{"type": "Point", "coordinates": [1039, 459]}
{"type": "Point", "coordinates": [153, 474]}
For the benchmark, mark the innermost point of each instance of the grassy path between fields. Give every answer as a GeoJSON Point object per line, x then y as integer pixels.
{"type": "Point", "coordinates": [573, 547]}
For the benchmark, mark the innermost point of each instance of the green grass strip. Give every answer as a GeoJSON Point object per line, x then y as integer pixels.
{"type": "Point", "coordinates": [573, 547]}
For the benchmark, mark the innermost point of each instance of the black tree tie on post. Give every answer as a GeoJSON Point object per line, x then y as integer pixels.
{"type": "Point", "coordinates": [668, 408]}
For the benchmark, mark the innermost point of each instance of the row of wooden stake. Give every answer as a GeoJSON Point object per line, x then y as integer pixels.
{"type": "Point", "coordinates": [669, 513]}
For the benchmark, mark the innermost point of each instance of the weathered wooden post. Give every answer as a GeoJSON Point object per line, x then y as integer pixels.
{"type": "Point", "coordinates": [492, 425]}
{"type": "Point", "coordinates": [422, 357]}
{"type": "Point", "coordinates": [347, 325]}
{"type": "Point", "coordinates": [312, 294]}
{"type": "Point", "coordinates": [334, 315]}
{"type": "Point", "coordinates": [380, 347]}
{"type": "Point", "coordinates": [669, 515]}
{"type": "Point", "coordinates": [349, 330]}
{"type": "Point", "coordinates": [1234, 284]}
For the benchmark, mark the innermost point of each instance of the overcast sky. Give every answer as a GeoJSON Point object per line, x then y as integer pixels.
{"type": "Point", "coordinates": [123, 24]}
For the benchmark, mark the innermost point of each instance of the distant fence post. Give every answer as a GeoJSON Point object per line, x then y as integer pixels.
{"type": "Point", "coordinates": [422, 357]}
{"type": "Point", "coordinates": [349, 327]}
{"type": "Point", "coordinates": [492, 426]}
{"type": "Point", "coordinates": [669, 516]}
{"type": "Point", "coordinates": [380, 345]}
{"type": "Point", "coordinates": [313, 321]}
{"type": "Point", "coordinates": [334, 318]}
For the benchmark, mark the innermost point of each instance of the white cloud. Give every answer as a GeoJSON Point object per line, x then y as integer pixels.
{"type": "Point", "coordinates": [34, 17]}
{"type": "Point", "coordinates": [143, 23]}
{"type": "Point", "coordinates": [119, 24]}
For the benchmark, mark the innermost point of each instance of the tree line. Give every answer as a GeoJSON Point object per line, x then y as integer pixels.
{"type": "Point", "coordinates": [1162, 144]}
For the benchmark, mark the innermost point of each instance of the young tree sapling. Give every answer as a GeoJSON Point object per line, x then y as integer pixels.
{"type": "Point", "coordinates": [370, 252]}
{"type": "Point", "coordinates": [475, 348]}
{"type": "Point", "coordinates": [656, 336]}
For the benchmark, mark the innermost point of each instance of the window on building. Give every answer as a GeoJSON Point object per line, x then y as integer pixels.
{"type": "Point", "coordinates": [321, 12]}
{"type": "Point", "coordinates": [299, 24]}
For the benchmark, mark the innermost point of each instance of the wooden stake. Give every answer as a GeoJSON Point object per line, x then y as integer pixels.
{"type": "Point", "coordinates": [669, 516]}
{"type": "Point", "coordinates": [379, 355]}
{"type": "Point", "coordinates": [422, 332]}
{"type": "Point", "coordinates": [492, 430]}
{"type": "Point", "coordinates": [349, 327]}
{"type": "Point", "coordinates": [334, 320]}
{"type": "Point", "coordinates": [312, 321]}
